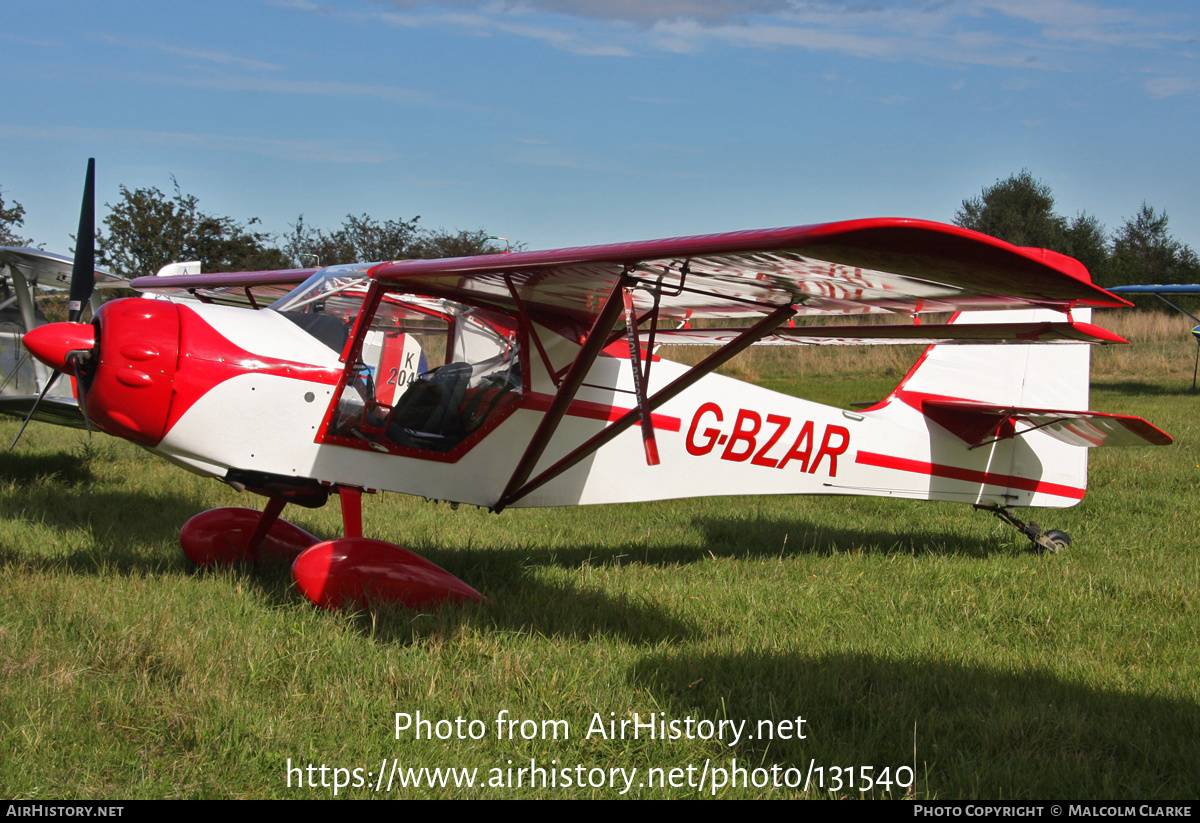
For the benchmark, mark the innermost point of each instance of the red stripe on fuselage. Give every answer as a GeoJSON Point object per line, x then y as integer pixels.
{"type": "Point", "coordinates": [887, 461]}
{"type": "Point", "coordinates": [597, 411]}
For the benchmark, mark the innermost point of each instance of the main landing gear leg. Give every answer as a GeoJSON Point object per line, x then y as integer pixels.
{"type": "Point", "coordinates": [1051, 540]}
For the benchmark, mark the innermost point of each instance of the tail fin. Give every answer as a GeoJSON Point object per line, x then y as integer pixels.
{"type": "Point", "coordinates": [964, 399]}
{"type": "Point", "coordinates": [1051, 376]}
{"type": "Point", "coordinates": [1006, 423]}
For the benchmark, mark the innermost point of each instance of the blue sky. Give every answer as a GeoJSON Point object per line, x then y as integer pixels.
{"type": "Point", "coordinates": [566, 122]}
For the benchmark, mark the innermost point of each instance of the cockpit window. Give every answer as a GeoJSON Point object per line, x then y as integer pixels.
{"type": "Point", "coordinates": [430, 374]}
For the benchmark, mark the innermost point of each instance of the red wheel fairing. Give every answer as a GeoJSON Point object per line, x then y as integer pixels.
{"type": "Point", "coordinates": [353, 571]}
{"type": "Point", "coordinates": [218, 537]}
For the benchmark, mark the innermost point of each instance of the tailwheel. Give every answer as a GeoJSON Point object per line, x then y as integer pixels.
{"type": "Point", "coordinates": [1051, 540]}
{"type": "Point", "coordinates": [354, 571]}
{"type": "Point", "coordinates": [1058, 540]}
{"type": "Point", "coordinates": [222, 537]}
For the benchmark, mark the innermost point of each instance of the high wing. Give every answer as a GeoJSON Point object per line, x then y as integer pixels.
{"type": "Point", "coordinates": [884, 265]}
{"type": "Point", "coordinates": [908, 335]}
{"type": "Point", "coordinates": [1161, 293]}
{"type": "Point", "coordinates": [1162, 289]}
{"type": "Point", "coordinates": [854, 267]}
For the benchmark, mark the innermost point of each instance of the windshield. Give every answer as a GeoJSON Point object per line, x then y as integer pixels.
{"type": "Point", "coordinates": [335, 290]}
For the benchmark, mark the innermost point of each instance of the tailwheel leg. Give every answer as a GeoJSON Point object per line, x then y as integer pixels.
{"type": "Point", "coordinates": [1052, 540]}
{"type": "Point", "coordinates": [221, 537]}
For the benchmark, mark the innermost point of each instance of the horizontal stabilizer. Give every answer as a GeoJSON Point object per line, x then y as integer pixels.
{"type": "Point", "coordinates": [979, 423]}
{"type": "Point", "coordinates": [907, 334]}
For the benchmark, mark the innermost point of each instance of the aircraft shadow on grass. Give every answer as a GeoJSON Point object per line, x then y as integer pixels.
{"type": "Point", "coordinates": [780, 537]}
{"type": "Point", "coordinates": [61, 468]}
{"type": "Point", "coordinates": [1169, 388]}
{"type": "Point", "coordinates": [523, 602]}
{"type": "Point", "coordinates": [1000, 733]}
{"type": "Point", "coordinates": [123, 528]}
{"type": "Point", "coordinates": [128, 530]}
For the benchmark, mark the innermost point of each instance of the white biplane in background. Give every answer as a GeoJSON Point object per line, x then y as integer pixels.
{"type": "Point", "coordinates": [530, 379]}
{"type": "Point", "coordinates": [25, 274]}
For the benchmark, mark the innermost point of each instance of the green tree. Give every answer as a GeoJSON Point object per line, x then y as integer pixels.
{"type": "Point", "coordinates": [362, 239]}
{"type": "Point", "coordinates": [359, 239]}
{"type": "Point", "coordinates": [1019, 210]}
{"type": "Point", "coordinates": [465, 243]}
{"type": "Point", "coordinates": [1144, 252]}
{"type": "Point", "coordinates": [1086, 239]}
{"type": "Point", "coordinates": [146, 230]}
{"type": "Point", "coordinates": [11, 218]}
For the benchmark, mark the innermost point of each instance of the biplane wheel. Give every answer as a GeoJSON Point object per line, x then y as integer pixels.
{"type": "Point", "coordinates": [1058, 539]}
{"type": "Point", "coordinates": [218, 537]}
{"type": "Point", "coordinates": [356, 571]}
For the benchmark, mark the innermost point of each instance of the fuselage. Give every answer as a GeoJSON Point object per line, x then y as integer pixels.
{"type": "Point", "coordinates": [236, 394]}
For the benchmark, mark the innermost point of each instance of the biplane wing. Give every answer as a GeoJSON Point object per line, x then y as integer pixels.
{"type": "Point", "coordinates": [48, 270]}
{"type": "Point", "coordinates": [23, 271]}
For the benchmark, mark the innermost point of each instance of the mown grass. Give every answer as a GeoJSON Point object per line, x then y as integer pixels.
{"type": "Point", "coordinates": [905, 634]}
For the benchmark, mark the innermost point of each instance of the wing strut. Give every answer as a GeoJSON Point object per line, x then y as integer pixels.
{"type": "Point", "coordinates": [718, 358]}
{"type": "Point", "coordinates": [639, 382]}
{"type": "Point", "coordinates": [570, 384]}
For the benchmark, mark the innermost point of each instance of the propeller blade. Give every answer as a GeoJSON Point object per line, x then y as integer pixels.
{"type": "Point", "coordinates": [49, 384]}
{"type": "Point", "coordinates": [83, 272]}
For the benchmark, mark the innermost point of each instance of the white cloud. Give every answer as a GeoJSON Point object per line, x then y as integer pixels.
{"type": "Point", "coordinates": [1169, 86]}
{"type": "Point", "coordinates": [1055, 35]}
{"type": "Point", "coordinates": [220, 58]}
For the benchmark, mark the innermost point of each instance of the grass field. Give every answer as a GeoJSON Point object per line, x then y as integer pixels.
{"type": "Point", "coordinates": [923, 641]}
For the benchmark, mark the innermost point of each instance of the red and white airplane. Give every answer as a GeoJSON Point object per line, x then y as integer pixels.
{"type": "Point", "coordinates": [530, 379]}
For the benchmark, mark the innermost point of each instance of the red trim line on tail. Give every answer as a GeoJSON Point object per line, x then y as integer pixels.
{"type": "Point", "coordinates": [887, 461]}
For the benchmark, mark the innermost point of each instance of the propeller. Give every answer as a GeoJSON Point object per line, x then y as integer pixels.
{"type": "Point", "coordinates": [83, 281]}
{"type": "Point", "coordinates": [83, 272]}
